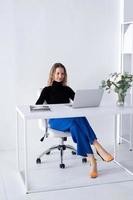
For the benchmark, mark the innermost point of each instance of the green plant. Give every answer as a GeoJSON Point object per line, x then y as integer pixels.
{"type": "Point", "coordinates": [119, 83]}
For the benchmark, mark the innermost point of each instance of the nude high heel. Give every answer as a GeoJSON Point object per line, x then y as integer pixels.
{"type": "Point", "coordinates": [93, 164]}
{"type": "Point", "coordinates": [108, 158]}
{"type": "Point", "coordinates": [102, 152]}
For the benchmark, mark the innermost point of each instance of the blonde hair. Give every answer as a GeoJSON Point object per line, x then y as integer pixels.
{"type": "Point", "coordinates": [52, 72]}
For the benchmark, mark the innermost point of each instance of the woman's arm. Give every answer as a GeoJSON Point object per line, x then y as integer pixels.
{"type": "Point", "coordinates": [71, 93]}
{"type": "Point", "coordinates": [42, 97]}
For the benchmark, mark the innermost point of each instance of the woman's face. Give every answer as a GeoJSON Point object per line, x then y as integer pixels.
{"type": "Point", "coordinates": [59, 74]}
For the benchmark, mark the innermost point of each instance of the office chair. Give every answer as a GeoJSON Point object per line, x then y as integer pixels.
{"type": "Point", "coordinates": [44, 126]}
{"type": "Point", "coordinates": [61, 146]}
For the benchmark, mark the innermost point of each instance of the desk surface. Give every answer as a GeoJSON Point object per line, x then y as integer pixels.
{"type": "Point", "coordinates": [63, 110]}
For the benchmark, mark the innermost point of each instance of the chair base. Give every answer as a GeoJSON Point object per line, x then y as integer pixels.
{"type": "Point", "coordinates": [61, 147]}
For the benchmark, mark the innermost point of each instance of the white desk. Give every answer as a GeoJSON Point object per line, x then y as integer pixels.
{"type": "Point", "coordinates": [60, 111]}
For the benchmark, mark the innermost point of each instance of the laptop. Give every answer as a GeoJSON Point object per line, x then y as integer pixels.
{"type": "Point", "coordinates": [87, 98]}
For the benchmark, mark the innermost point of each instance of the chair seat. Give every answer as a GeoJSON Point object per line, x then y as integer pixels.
{"type": "Point", "coordinates": [58, 134]}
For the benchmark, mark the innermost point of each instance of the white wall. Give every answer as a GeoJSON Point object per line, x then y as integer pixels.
{"type": "Point", "coordinates": [7, 75]}
{"type": "Point", "coordinates": [83, 35]}
{"type": "Point", "coordinates": [127, 66]}
{"type": "Point", "coordinates": [128, 10]}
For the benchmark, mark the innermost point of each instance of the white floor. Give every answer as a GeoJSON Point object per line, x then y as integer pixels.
{"type": "Point", "coordinates": [113, 182]}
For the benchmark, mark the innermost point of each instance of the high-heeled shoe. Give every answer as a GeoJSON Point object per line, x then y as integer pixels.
{"type": "Point", "coordinates": [93, 172]}
{"type": "Point", "coordinates": [108, 158]}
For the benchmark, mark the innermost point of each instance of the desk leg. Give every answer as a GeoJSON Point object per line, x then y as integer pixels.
{"type": "Point", "coordinates": [115, 135]}
{"type": "Point", "coordinates": [131, 137]}
{"type": "Point", "coordinates": [121, 137]}
{"type": "Point", "coordinates": [118, 120]}
{"type": "Point", "coordinates": [17, 141]}
{"type": "Point", "coordinates": [25, 156]}
{"type": "Point", "coordinates": [115, 147]}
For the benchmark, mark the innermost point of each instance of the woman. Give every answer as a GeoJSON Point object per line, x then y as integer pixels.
{"type": "Point", "coordinates": [56, 92]}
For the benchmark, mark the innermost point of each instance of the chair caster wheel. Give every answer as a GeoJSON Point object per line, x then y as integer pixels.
{"type": "Point", "coordinates": [48, 153]}
{"type": "Point", "coordinates": [84, 160]}
{"type": "Point", "coordinates": [62, 166]}
{"type": "Point", "coordinates": [73, 153]}
{"type": "Point", "coordinates": [38, 160]}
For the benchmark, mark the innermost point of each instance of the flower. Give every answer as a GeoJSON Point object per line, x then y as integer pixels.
{"type": "Point", "coordinates": [118, 82]}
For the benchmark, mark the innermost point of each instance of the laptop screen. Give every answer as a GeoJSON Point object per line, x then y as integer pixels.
{"type": "Point", "coordinates": [87, 98]}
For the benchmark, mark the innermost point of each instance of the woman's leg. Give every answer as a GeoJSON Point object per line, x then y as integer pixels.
{"type": "Point", "coordinates": [85, 146]}
{"type": "Point", "coordinates": [80, 137]}
{"type": "Point", "coordinates": [83, 122]}
{"type": "Point", "coordinates": [84, 125]}
{"type": "Point", "coordinates": [78, 133]}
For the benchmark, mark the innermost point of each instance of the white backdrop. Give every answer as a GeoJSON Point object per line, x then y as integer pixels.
{"type": "Point", "coordinates": [128, 10]}
{"type": "Point", "coordinates": [83, 35]}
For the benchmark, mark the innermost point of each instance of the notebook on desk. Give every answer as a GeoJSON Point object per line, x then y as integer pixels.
{"type": "Point", "coordinates": [87, 98]}
{"type": "Point", "coordinates": [39, 108]}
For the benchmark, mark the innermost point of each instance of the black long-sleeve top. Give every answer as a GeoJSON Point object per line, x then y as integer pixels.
{"type": "Point", "coordinates": [55, 94]}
